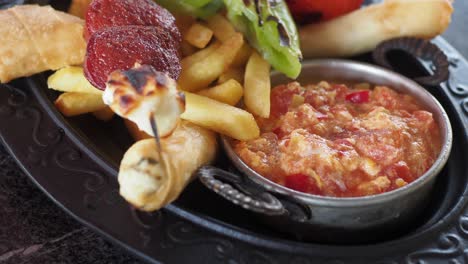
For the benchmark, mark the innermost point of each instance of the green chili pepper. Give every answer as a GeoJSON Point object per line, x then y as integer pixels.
{"type": "Point", "coordinates": [269, 27]}
{"type": "Point", "coordinates": [197, 8]}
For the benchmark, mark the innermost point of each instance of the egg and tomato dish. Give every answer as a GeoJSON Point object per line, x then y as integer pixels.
{"type": "Point", "coordinates": [342, 140]}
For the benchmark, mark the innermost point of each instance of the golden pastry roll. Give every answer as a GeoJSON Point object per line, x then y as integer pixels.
{"type": "Point", "coordinates": [150, 179]}
{"type": "Point", "coordinates": [362, 30]}
{"type": "Point", "coordinates": [38, 38]}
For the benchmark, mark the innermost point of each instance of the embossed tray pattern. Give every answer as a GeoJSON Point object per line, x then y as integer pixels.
{"type": "Point", "coordinates": [67, 165]}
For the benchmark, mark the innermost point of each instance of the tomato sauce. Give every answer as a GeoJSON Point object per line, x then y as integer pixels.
{"type": "Point", "coordinates": [341, 140]}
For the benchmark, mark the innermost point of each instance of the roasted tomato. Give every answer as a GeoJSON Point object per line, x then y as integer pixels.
{"type": "Point", "coordinates": [307, 11]}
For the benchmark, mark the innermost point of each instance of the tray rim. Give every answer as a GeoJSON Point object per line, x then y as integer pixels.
{"type": "Point", "coordinates": [76, 137]}
{"type": "Point", "coordinates": [204, 221]}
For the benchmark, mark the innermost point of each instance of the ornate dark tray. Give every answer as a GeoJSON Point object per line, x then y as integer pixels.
{"type": "Point", "coordinates": [75, 162]}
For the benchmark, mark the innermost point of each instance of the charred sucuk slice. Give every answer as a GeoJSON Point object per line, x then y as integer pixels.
{"type": "Point", "coordinates": [102, 14]}
{"type": "Point", "coordinates": [143, 95]}
{"type": "Point", "coordinates": [119, 48]}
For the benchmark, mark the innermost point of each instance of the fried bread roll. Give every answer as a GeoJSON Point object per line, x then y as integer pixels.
{"type": "Point", "coordinates": [38, 38]}
{"type": "Point", "coordinates": [362, 30]}
{"type": "Point", "coordinates": [149, 182]}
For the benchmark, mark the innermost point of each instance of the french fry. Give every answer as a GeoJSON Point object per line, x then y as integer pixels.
{"type": "Point", "coordinates": [198, 35]}
{"type": "Point", "coordinates": [232, 73]}
{"type": "Point", "coordinates": [222, 118]}
{"type": "Point", "coordinates": [221, 27]}
{"type": "Point", "coordinates": [71, 79]}
{"type": "Point", "coordinates": [257, 86]}
{"type": "Point", "coordinates": [229, 92]}
{"type": "Point", "coordinates": [134, 131]}
{"type": "Point", "coordinates": [362, 30]}
{"type": "Point", "coordinates": [200, 74]}
{"type": "Point", "coordinates": [105, 114]}
{"type": "Point", "coordinates": [242, 56]}
{"type": "Point", "coordinates": [78, 7]}
{"type": "Point", "coordinates": [72, 104]}
{"type": "Point", "coordinates": [187, 62]}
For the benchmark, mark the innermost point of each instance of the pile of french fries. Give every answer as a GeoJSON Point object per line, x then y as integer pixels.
{"type": "Point", "coordinates": [217, 76]}
{"type": "Point", "coordinates": [219, 69]}
{"type": "Point", "coordinates": [79, 96]}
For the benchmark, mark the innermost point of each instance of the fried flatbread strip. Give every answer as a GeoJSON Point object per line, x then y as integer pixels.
{"type": "Point", "coordinates": [362, 30]}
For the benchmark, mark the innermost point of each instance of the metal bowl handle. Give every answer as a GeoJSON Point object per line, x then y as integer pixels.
{"type": "Point", "coordinates": [221, 182]}
{"type": "Point", "coordinates": [419, 48]}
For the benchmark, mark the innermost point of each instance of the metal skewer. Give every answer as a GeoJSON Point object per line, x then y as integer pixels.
{"type": "Point", "coordinates": [154, 127]}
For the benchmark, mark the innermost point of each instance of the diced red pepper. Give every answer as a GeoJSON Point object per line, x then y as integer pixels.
{"type": "Point", "coordinates": [278, 132]}
{"type": "Point", "coordinates": [399, 170]}
{"type": "Point", "coordinates": [281, 97]}
{"type": "Point", "coordinates": [358, 97]}
{"type": "Point", "coordinates": [302, 183]}
{"type": "Point", "coordinates": [403, 171]}
{"type": "Point", "coordinates": [298, 182]}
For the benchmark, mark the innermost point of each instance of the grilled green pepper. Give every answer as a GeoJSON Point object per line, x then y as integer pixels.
{"type": "Point", "coordinates": [197, 8]}
{"type": "Point", "coordinates": [267, 24]}
{"type": "Point", "coordinates": [270, 29]}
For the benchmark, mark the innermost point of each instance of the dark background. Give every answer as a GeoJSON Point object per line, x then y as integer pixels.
{"type": "Point", "coordinates": [457, 33]}
{"type": "Point", "coordinates": [34, 230]}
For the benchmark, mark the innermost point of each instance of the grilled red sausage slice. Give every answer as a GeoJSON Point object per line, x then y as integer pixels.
{"type": "Point", "coordinates": [113, 13]}
{"type": "Point", "coordinates": [119, 48]}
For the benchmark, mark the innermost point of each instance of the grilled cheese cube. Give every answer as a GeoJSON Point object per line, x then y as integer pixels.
{"type": "Point", "coordinates": [143, 95]}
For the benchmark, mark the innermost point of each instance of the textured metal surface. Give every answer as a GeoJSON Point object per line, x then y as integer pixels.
{"type": "Point", "coordinates": [260, 202]}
